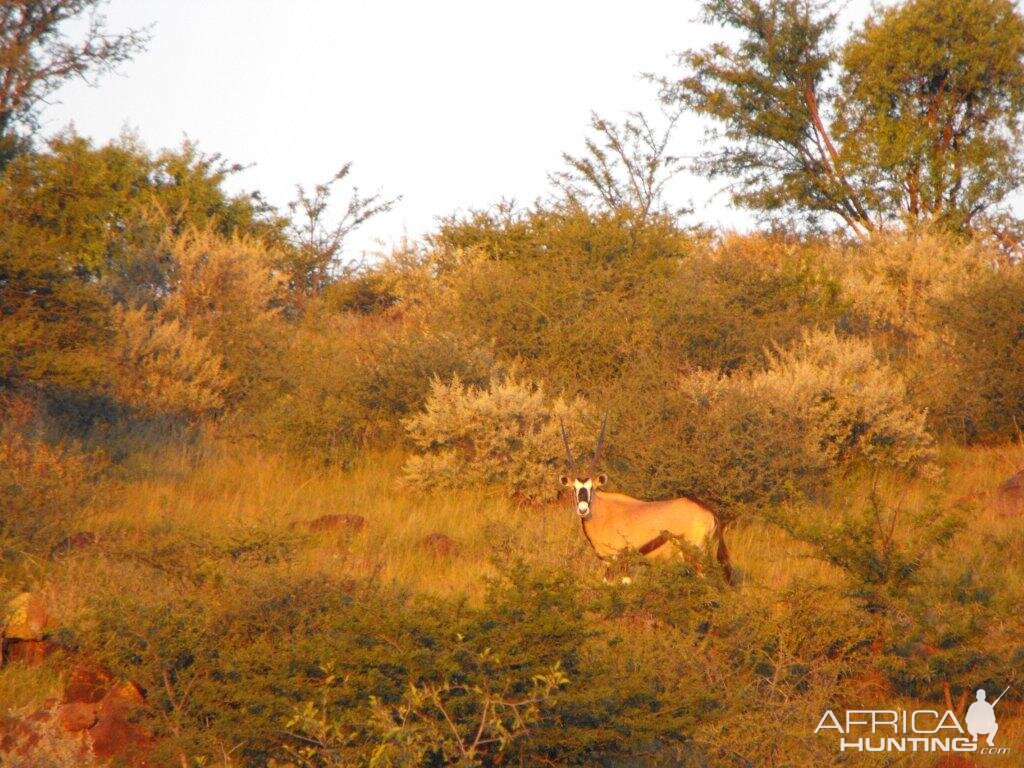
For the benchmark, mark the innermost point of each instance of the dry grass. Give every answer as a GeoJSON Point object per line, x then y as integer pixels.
{"type": "Point", "coordinates": [234, 494]}
{"type": "Point", "coordinates": [23, 686]}
{"type": "Point", "coordinates": [220, 496]}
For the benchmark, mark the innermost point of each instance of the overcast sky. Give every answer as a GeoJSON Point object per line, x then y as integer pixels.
{"type": "Point", "coordinates": [451, 104]}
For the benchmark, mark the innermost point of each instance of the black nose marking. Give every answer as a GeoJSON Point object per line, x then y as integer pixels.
{"type": "Point", "coordinates": [583, 495]}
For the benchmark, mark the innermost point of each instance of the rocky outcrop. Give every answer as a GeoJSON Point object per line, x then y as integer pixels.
{"type": "Point", "coordinates": [25, 618]}
{"type": "Point", "coordinates": [97, 716]}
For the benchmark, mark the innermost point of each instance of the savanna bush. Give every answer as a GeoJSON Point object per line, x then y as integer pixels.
{"type": "Point", "coordinates": [573, 298]}
{"type": "Point", "coordinates": [227, 291]}
{"type": "Point", "coordinates": [346, 381]}
{"type": "Point", "coordinates": [732, 299]}
{"type": "Point", "coordinates": [977, 388]}
{"type": "Point", "coordinates": [855, 406]}
{"type": "Point", "coordinates": [893, 283]}
{"type": "Point", "coordinates": [164, 368]}
{"type": "Point", "coordinates": [504, 436]}
{"type": "Point", "coordinates": [757, 438]}
{"type": "Point", "coordinates": [947, 312]}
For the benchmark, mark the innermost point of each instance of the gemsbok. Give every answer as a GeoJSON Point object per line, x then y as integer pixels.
{"type": "Point", "coordinates": [614, 523]}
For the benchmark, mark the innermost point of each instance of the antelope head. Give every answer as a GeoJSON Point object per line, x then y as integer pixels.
{"type": "Point", "coordinates": [585, 485]}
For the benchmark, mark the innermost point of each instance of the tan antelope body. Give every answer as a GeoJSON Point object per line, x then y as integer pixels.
{"type": "Point", "coordinates": [618, 522]}
{"type": "Point", "coordinates": [614, 523]}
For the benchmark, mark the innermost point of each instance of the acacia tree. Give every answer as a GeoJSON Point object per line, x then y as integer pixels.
{"type": "Point", "coordinates": [37, 57]}
{"type": "Point", "coordinates": [918, 122]}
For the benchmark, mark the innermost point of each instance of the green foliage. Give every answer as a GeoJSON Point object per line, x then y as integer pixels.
{"type": "Point", "coordinates": [575, 298]}
{"type": "Point", "coordinates": [932, 97]}
{"type": "Point", "coordinates": [981, 390]}
{"type": "Point", "coordinates": [756, 439]}
{"type": "Point", "coordinates": [764, 93]}
{"type": "Point", "coordinates": [934, 620]}
{"type": "Point", "coordinates": [84, 229]}
{"type": "Point", "coordinates": [747, 293]}
{"type": "Point", "coordinates": [346, 381]}
{"type": "Point", "coordinates": [504, 438]}
{"type": "Point", "coordinates": [626, 167]}
{"type": "Point", "coordinates": [38, 56]}
{"type": "Point", "coordinates": [924, 126]}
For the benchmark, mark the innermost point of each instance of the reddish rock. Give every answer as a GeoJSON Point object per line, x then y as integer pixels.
{"type": "Point", "coordinates": [115, 734]}
{"type": "Point", "coordinates": [439, 545]}
{"type": "Point", "coordinates": [122, 698]}
{"type": "Point", "coordinates": [77, 716]}
{"type": "Point", "coordinates": [117, 737]}
{"type": "Point", "coordinates": [30, 652]}
{"type": "Point", "coordinates": [1009, 496]}
{"type": "Point", "coordinates": [87, 684]}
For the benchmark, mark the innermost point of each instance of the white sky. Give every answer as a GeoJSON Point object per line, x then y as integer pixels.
{"type": "Point", "coordinates": [452, 104]}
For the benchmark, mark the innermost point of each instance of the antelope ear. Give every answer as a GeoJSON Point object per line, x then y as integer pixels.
{"type": "Point", "coordinates": [600, 480]}
{"type": "Point", "coordinates": [564, 480]}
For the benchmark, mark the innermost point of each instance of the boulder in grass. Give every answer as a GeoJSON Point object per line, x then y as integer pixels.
{"type": "Point", "coordinates": [115, 734]}
{"type": "Point", "coordinates": [77, 716]}
{"type": "Point", "coordinates": [87, 684]}
{"type": "Point", "coordinates": [121, 698]}
{"type": "Point", "coordinates": [1009, 496]}
{"type": "Point", "coordinates": [26, 618]}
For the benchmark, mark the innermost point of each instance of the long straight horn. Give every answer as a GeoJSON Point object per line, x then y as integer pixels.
{"type": "Point", "coordinates": [600, 444]}
{"type": "Point", "coordinates": [568, 450]}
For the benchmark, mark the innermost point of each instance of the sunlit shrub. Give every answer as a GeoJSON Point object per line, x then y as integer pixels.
{"type": "Point", "coordinates": [977, 384]}
{"type": "Point", "coordinates": [503, 437]}
{"type": "Point", "coordinates": [753, 439]}
{"type": "Point", "coordinates": [854, 406]}
{"type": "Point", "coordinates": [227, 292]}
{"type": "Point", "coordinates": [893, 283]}
{"type": "Point", "coordinates": [730, 301]}
{"type": "Point", "coordinates": [163, 367]}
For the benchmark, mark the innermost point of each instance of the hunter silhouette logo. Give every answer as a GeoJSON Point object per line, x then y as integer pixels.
{"type": "Point", "coordinates": [919, 730]}
{"type": "Point", "coordinates": [981, 717]}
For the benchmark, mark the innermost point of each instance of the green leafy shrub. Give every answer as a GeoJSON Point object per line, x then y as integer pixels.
{"type": "Point", "coordinates": [346, 382]}
{"type": "Point", "coordinates": [731, 300]}
{"type": "Point", "coordinates": [505, 437]}
{"type": "Point", "coordinates": [754, 439]}
{"type": "Point", "coordinates": [977, 386]}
